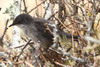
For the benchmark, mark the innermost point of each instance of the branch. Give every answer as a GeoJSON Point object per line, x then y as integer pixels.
{"type": "Point", "coordinates": [25, 8]}
{"type": "Point", "coordinates": [64, 53]}
{"type": "Point", "coordinates": [5, 29]}
{"type": "Point", "coordinates": [23, 49]}
{"type": "Point", "coordinates": [1, 38]}
{"type": "Point", "coordinates": [89, 38]}
{"type": "Point", "coordinates": [36, 7]}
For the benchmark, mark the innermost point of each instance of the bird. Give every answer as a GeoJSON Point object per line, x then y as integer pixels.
{"type": "Point", "coordinates": [36, 29]}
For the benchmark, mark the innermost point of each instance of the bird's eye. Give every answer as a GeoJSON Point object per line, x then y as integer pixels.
{"type": "Point", "coordinates": [18, 21]}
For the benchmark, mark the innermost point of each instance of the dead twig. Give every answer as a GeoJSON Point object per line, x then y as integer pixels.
{"type": "Point", "coordinates": [52, 15]}
{"type": "Point", "coordinates": [23, 49]}
{"type": "Point", "coordinates": [64, 53]}
{"type": "Point", "coordinates": [25, 8]}
{"type": "Point", "coordinates": [1, 39]}
{"type": "Point", "coordinates": [5, 29]}
{"type": "Point", "coordinates": [36, 7]}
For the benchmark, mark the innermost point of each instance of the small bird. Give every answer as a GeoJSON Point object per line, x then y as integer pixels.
{"type": "Point", "coordinates": [35, 28]}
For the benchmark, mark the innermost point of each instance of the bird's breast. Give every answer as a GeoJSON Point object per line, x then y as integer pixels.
{"type": "Point", "coordinates": [32, 32]}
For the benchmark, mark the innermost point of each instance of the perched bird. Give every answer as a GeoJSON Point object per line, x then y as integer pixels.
{"type": "Point", "coordinates": [35, 28]}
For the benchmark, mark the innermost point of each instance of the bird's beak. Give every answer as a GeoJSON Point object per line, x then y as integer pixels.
{"type": "Point", "coordinates": [11, 25]}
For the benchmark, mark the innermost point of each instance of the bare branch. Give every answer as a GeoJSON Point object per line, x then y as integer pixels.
{"type": "Point", "coordinates": [36, 6]}
{"type": "Point", "coordinates": [23, 49]}
{"type": "Point", "coordinates": [25, 8]}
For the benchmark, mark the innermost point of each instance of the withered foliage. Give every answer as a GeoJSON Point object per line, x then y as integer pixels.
{"type": "Point", "coordinates": [80, 18]}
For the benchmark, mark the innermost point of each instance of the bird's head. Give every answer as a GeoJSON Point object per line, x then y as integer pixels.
{"type": "Point", "coordinates": [21, 19]}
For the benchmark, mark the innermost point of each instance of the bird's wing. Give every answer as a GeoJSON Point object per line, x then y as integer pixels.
{"type": "Point", "coordinates": [42, 28]}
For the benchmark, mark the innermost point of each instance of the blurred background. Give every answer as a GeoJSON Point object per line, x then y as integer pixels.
{"type": "Point", "coordinates": [76, 17]}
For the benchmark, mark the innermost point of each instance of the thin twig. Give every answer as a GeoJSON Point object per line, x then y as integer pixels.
{"type": "Point", "coordinates": [52, 15]}
{"type": "Point", "coordinates": [25, 8]}
{"type": "Point", "coordinates": [64, 53]}
{"type": "Point", "coordinates": [60, 22]}
{"type": "Point", "coordinates": [5, 29]}
{"type": "Point", "coordinates": [62, 65]}
{"type": "Point", "coordinates": [23, 49]}
{"type": "Point", "coordinates": [36, 7]}
{"type": "Point", "coordinates": [1, 38]}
